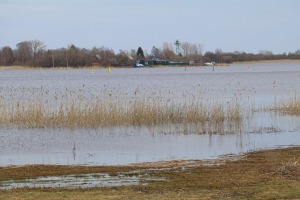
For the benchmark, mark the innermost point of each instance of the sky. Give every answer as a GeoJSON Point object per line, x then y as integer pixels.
{"type": "Point", "coordinates": [229, 25]}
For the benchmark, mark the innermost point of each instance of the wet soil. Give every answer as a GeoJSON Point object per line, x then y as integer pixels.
{"type": "Point", "coordinates": [268, 174]}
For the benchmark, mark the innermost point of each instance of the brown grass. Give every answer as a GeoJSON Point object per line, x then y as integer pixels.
{"type": "Point", "coordinates": [77, 112]}
{"type": "Point", "coordinates": [292, 106]}
{"type": "Point", "coordinates": [290, 168]}
{"type": "Point", "coordinates": [75, 109]}
{"type": "Point", "coordinates": [254, 176]}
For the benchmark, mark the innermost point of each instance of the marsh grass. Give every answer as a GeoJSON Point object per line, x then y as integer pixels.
{"type": "Point", "coordinates": [75, 110]}
{"type": "Point", "coordinates": [291, 168]}
{"type": "Point", "coordinates": [285, 106]}
{"type": "Point", "coordinates": [251, 176]}
{"type": "Point", "coordinates": [290, 106]}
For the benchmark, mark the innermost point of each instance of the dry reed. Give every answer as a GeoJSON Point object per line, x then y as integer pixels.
{"type": "Point", "coordinates": [290, 106]}
{"type": "Point", "coordinates": [73, 110]}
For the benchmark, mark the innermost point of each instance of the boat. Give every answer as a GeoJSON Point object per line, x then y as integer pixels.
{"type": "Point", "coordinates": [209, 63]}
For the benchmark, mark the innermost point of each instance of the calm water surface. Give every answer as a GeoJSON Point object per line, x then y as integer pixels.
{"type": "Point", "coordinates": [255, 84]}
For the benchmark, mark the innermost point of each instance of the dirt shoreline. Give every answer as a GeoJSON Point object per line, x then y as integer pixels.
{"type": "Point", "coordinates": [268, 174]}
{"type": "Point", "coordinates": [32, 171]}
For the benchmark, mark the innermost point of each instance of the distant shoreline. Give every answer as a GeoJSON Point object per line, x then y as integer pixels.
{"type": "Point", "coordinates": [158, 66]}
{"type": "Point", "coordinates": [268, 61]}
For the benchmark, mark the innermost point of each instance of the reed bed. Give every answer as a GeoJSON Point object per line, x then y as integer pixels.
{"type": "Point", "coordinates": [75, 110]}
{"type": "Point", "coordinates": [290, 106]}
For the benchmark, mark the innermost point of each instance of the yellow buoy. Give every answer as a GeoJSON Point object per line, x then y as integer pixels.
{"type": "Point", "coordinates": [108, 69]}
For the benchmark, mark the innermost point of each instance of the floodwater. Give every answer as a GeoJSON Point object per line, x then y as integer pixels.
{"type": "Point", "coordinates": [253, 84]}
{"type": "Point", "coordinates": [79, 181]}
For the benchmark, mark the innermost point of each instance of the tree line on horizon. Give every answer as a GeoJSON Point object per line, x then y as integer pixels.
{"type": "Point", "coordinates": [34, 53]}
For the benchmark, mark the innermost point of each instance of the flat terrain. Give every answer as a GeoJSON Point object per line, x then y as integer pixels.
{"type": "Point", "coordinates": [270, 174]}
{"type": "Point", "coordinates": [268, 61]}
{"type": "Point", "coordinates": [96, 67]}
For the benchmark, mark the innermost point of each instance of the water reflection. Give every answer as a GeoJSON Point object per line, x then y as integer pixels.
{"type": "Point", "coordinates": [74, 152]}
{"type": "Point", "coordinates": [78, 181]}
{"type": "Point", "coordinates": [125, 145]}
{"type": "Point", "coordinates": [257, 85]}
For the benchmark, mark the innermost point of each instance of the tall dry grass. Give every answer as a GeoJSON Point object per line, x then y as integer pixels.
{"type": "Point", "coordinates": [290, 106]}
{"type": "Point", "coordinates": [287, 106]}
{"type": "Point", "coordinates": [73, 111]}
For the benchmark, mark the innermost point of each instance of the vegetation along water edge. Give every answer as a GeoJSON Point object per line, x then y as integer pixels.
{"type": "Point", "coordinates": [268, 174]}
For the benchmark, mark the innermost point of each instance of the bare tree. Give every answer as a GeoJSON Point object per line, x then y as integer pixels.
{"type": "Point", "coordinates": [29, 51]}
{"type": "Point", "coordinates": [156, 52]}
{"type": "Point", "coordinates": [37, 48]}
{"type": "Point", "coordinates": [219, 55]}
{"type": "Point", "coordinates": [191, 51]}
{"type": "Point", "coordinates": [168, 51]}
{"type": "Point", "coordinates": [168, 46]}
{"type": "Point", "coordinates": [185, 46]}
{"type": "Point", "coordinates": [7, 56]}
{"type": "Point", "coordinates": [200, 48]}
{"type": "Point", "coordinates": [24, 52]}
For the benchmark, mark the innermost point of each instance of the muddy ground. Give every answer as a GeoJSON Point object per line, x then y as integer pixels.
{"type": "Point", "coordinates": [269, 174]}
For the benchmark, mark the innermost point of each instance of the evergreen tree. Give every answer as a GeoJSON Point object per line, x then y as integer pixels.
{"type": "Point", "coordinates": [140, 52]}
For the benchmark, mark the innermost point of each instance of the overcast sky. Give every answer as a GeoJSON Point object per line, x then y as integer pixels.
{"type": "Point", "coordinates": [230, 25]}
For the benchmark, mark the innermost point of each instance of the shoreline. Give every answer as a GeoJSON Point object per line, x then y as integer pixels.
{"type": "Point", "coordinates": [268, 61]}
{"type": "Point", "coordinates": [31, 172]}
{"type": "Point", "coordinates": [155, 66]}
{"type": "Point", "coordinates": [255, 175]}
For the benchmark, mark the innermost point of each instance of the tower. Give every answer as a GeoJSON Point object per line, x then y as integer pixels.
{"type": "Point", "coordinates": [177, 45]}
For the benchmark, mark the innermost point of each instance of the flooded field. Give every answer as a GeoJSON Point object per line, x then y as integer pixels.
{"type": "Point", "coordinates": [257, 89]}
{"type": "Point", "coordinates": [76, 181]}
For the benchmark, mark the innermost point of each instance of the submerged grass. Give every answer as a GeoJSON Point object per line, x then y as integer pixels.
{"type": "Point", "coordinates": [79, 112]}
{"type": "Point", "coordinates": [290, 106]}
{"type": "Point", "coordinates": [80, 108]}
{"type": "Point", "coordinates": [39, 108]}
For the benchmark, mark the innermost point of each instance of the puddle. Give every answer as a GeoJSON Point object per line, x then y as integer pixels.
{"type": "Point", "coordinates": [78, 181]}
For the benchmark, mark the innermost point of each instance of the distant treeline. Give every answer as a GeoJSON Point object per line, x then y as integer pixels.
{"type": "Point", "coordinates": [229, 57]}
{"type": "Point", "coordinates": [34, 53]}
